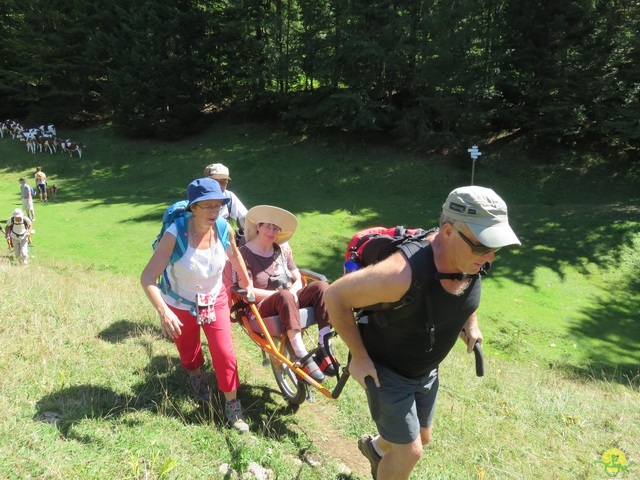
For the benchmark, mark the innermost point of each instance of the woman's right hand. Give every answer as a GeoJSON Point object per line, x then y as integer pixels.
{"type": "Point", "coordinates": [170, 324]}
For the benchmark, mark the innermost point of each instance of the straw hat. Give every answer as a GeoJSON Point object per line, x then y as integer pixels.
{"type": "Point", "coordinates": [269, 214]}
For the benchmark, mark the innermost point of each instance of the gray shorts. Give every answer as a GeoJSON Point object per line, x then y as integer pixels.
{"type": "Point", "coordinates": [406, 404]}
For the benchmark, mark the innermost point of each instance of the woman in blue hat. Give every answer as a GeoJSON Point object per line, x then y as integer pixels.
{"type": "Point", "coordinates": [196, 298]}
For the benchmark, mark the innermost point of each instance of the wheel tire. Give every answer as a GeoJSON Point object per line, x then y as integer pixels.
{"type": "Point", "coordinates": [293, 390]}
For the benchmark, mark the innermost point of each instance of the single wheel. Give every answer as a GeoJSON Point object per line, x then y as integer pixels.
{"type": "Point", "coordinates": [293, 390]}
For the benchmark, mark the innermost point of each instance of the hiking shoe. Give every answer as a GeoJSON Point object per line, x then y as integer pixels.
{"type": "Point", "coordinates": [200, 386]}
{"type": "Point", "coordinates": [311, 368]}
{"type": "Point", "coordinates": [325, 361]}
{"type": "Point", "coordinates": [235, 417]}
{"type": "Point", "coordinates": [366, 448]}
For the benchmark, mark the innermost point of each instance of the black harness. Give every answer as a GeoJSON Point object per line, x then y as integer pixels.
{"type": "Point", "coordinates": [424, 275]}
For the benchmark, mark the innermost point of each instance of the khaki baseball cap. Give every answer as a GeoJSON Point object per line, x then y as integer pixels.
{"type": "Point", "coordinates": [217, 171]}
{"type": "Point", "coordinates": [485, 212]}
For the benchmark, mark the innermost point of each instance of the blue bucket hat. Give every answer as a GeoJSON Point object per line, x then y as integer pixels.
{"type": "Point", "coordinates": [205, 189]}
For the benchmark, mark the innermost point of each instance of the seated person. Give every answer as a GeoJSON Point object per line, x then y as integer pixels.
{"type": "Point", "coordinates": [278, 284]}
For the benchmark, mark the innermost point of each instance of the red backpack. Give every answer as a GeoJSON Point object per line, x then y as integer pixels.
{"type": "Point", "coordinates": [372, 245]}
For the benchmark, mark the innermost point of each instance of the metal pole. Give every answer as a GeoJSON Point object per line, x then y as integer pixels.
{"type": "Point", "coordinates": [475, 153]}
{"type": "Point", "coordinates": [473, 170]}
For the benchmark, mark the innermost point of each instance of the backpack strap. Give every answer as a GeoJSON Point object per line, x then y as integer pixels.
{"type": "Point", "coordinates": [229, 206]}
{"type": "Point", "coordinates": [167, 290]}
{"type": "Point", "coordinates": [182, 238]}
{"type": "Point", "coordinates": [424, 275]}
{"type": "Point", "coordinates": [222, 227]}
{"type": "Point", "coordinates": [422, 279]}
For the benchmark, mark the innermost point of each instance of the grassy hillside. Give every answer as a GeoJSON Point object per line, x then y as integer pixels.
{"type": "Point", "coordinates": [559, 315]}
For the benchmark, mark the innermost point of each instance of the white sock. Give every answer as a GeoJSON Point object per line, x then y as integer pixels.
{"type": "Point", "coordinates": [321, 333]}
{"type": "Point", "coordinates": [297, 344]}
{"type": "Point", "coordinates": [376, 446]}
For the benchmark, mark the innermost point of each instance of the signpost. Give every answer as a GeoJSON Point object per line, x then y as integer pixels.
{"type": "Point", "coordinates": [475, 153]}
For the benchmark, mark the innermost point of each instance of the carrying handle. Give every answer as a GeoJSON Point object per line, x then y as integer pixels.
{"type": "Point", "coordinates": [243, 293]}
{"type": "Point", "coordinates": [372, 395]}
{"type": "Point", "coordinates": [477, 350]}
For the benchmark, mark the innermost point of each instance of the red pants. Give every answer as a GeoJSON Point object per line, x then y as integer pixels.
{"type": "Point", "coordinates": [283, 303]}
{"type": "Point", "coordinates": [220, 341]}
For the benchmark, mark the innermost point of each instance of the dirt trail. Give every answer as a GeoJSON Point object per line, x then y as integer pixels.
{"type": "Point", "coordinates": [328, 439]}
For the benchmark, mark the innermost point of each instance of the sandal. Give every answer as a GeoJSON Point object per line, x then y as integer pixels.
{"type": "Point", "coordinates": [326, 361]}
{"type": "Point", "coordinates": [311, 368]}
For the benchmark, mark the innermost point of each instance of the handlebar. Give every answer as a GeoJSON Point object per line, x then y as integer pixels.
{"type": "Point", "coordinates": [372, 395]}
{"type": "Point", "coordinates": [477, 350]}
{"type": "Point", "coordinates": [243, 293]}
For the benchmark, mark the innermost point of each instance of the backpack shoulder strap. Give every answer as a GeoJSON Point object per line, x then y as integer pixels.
{"type": "Point", "coordinates": [222, 227]}
{"type": "Point", "coordinates": [423, 276]}
{"type": "Point", "coordinates": [182, 238]}
{"type": "Point", "coordinates": [229, 204]}
{"type": "Point", "coordinates": [423, 268]}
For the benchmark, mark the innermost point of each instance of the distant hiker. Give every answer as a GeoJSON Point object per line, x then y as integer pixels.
{"type": "Point", "coordinates": [18, 229]}
{"type": "Point", "coordinates": [41, 183]}
{"type": "Point", "coordinates": [193, 296]}
{"type": "Point", "coordinates": [403, 356]}
{"type": "Point", "coordinates": [26, 193]}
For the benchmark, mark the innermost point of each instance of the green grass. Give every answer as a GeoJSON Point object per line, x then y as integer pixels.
{"type": "Point", "coordinates": [91, 390]}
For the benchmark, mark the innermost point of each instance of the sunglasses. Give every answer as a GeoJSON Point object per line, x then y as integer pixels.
{"type": "Point", "coordinates": [477, 249]}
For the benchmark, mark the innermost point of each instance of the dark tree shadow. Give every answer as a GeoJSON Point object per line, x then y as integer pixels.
{"type": "Point", "coordinates": [615, 322]}
{"type": "Point", "coordinates": [162, 389]}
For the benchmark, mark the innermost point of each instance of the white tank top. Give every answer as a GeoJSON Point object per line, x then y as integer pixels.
{"type": "Point", "coordinates": [197, 271]}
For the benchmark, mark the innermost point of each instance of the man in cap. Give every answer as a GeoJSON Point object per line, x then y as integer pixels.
{"type": "Point", "coordinates": [234, 209]}
{"type": "Point", "coordinates": [403, 357]}
{"type": "Point", "coordinates": [18, 229]}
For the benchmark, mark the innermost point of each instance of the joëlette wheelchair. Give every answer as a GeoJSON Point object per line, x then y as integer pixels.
{"type": "Point", "coordinates": [269, 335]}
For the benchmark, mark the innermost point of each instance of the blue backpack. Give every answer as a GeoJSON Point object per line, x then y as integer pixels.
{"type": "Point", "coordinates": [177, 213]}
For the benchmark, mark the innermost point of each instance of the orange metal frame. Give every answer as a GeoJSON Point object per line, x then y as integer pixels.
{"type": "Point", "coordinates": [266, 342]}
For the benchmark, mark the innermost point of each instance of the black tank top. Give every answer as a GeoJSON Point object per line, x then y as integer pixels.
{"type": "Point", "coordinates": [404, 345]}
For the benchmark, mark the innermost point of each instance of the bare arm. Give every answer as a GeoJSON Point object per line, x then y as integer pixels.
{"type": "Point", "coordinates": [156, 265]}
{"type": "Point", "coordinates": [471, 332]}
{"type": "Point", "coordinates": [235, 257]}
{"type": "Point", "coordinates": [384, 282]}
{"type": "Point", "coordinates": [296, 278]}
